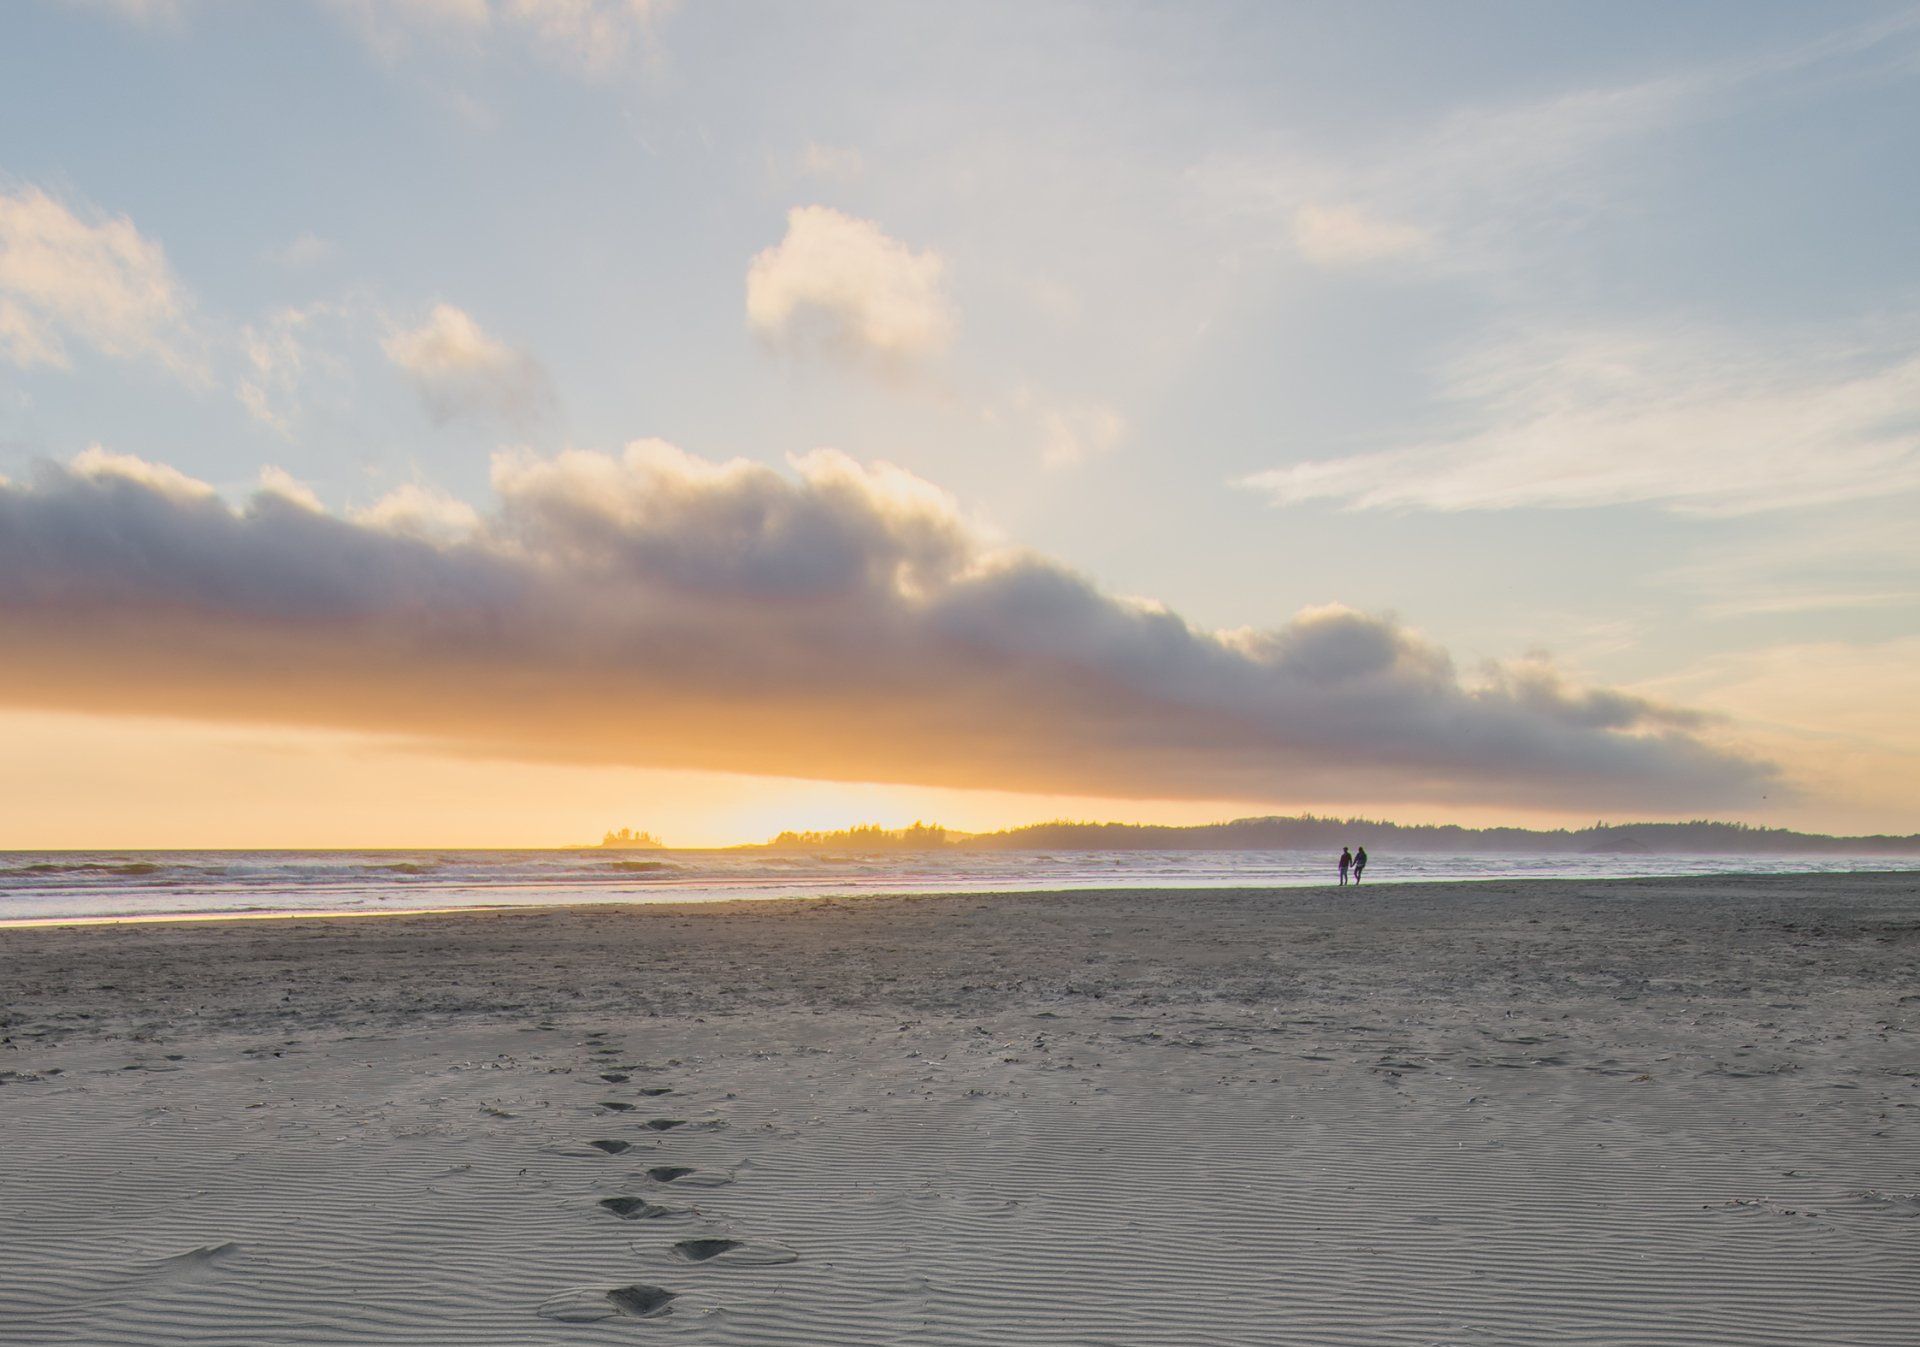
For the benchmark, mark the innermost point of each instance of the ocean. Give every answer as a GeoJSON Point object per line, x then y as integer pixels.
{"type": "Point", "coordinates": [69, 885]}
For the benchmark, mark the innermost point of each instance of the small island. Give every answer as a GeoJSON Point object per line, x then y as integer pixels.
{"type": "Point", "coordinates": [626, 839]}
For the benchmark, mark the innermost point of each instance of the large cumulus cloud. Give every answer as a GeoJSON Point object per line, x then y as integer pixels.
{"type": "Point", "coordinates": [836, 621]}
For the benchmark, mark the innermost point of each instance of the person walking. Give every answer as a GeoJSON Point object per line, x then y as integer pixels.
{"type": "Point", "coordinates": [1346, 863]}
{"type": "Point", "coordinates": [1359, 863]}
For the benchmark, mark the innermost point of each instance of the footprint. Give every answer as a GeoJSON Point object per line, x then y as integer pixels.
{"type": "Point", "coordinates": [193, 1265]}
{"type": "Point", "coordinates": [615, 1077]}
{"type": "Point", "coordinates": [611, 1147]}
{"type": "Point", "coordinates": [577, 1307]}
{"type": "Point", "coordinates": [613, 1104]}
{"type": "Point", "coordinates": [690, 1177]}
{"type": "Point", "coordinates": [655, 1091]}
{"type": "Point", "coordinates": [639, 1209]}
{"type": "Point", "coordinates": [663, 1124]}
{"type": "Point", "coordinates": [642, 1301]}
{"type": "Point", "coordinates": [700, 1250]}
{"type": "Point", "coordinates": [733, 1252]}
{"type": "Point", "coordinates": [587, 1305]}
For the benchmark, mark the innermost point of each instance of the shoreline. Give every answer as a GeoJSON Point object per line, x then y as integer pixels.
{"type": "Point", "coordinates": [831, 894]}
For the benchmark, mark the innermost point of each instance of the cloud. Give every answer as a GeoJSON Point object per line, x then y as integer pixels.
{"type": "Point", "coordinates": [97, 464]}
{"type": "Point", "coordinates": [1688, 422]}
{"type": "Point", "coordinates": [308, 250]}
{"type": "Point", "coordinates": [67, 276]}
{"type": "Point", "coordinates": [1072, 435]}
{"type": "Point", "coordinates": [1474, 190]}
{"type": "Point", "coordinates": [459, 371]}
{"type": "Point", "coordinates": [837, 621]}
{"type": "Point", "coordinates": [296, 366]}
{"type": "Point", "coordinates": [1067, 433]}
{"type": "Point", "coordinates": [834, 163]}
{"type": "Point", "coordinates": [1865, 555]}
{"type": "Point", "coordinates": [134, 11]}
{"type": "Point", "coordinates": [594, 38]}
{"type": "Point", "coordinates": [1338, 236]}
{"type": "Point", "coordinates": [1485, 188]}
{"type": "Point", "coordinates": [597, 35]}
{"type": "Point", "coordinates": [392, 28]}
{"type": "Point", "coordinates": [280, 483]}
{"type": "Point", "coordinates": [416, 511]}
{"type": "Point", "coordinates": [276, 357]}
{"type": "Point", "coordinates": [839, 285]}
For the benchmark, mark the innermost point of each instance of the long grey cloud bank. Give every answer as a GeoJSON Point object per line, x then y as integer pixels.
{"type": "Point", "coordinates": [838, 621]}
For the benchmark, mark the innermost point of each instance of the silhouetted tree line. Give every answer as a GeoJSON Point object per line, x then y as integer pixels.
{"type": "Point", "coordinates": [1312, 832]}
{"type": "Point", "coordinates": [870, 837]}
{"type": "Point", "coordinates": [626, 839]}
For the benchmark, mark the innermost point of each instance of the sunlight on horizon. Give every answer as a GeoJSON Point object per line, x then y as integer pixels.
{"type": "Point", "coordinates": [114, 783]}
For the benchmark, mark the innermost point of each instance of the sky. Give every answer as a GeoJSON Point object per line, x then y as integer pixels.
{"type": "Point", "coordinates": [493, 422]}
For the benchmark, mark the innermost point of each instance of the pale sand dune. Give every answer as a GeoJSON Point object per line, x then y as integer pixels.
{"type": "Point", "coordinates": [1646, 1112]}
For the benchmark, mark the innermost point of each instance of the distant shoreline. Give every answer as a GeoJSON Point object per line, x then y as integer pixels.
{"type": "Point", "coordinates": [1295, 832]}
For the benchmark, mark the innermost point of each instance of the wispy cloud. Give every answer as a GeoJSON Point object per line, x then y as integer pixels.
{"type": "Point", "coordinates": [594, 38]}
{"type": "Point", "coordinates": [1065, 432]}
{"type": "Point", "coordinates": [1340, 235]}
{"type": "Point", "coordinates": [1486, 187]}
{"type": "Point", "coordinates": [308, 250]}
{"type": "Point", "coordinates": [596, 35]}
{"type": "Point", "coordinates": [840, 286]}
{"type": "Point", "coordinates": [277, 360]}
{"type": "Point", "coordinates": [1460, 193]}
{"type": "Point", "coordinates": [135, 11]}
{"type": "Point", "coordinates": [835, 622]}
{"type": "Point", "coordinates": [1689, 422]}
{"type": "Point", "coordinates": [1864, 557]}
{"type": "Point", "coordinates": [831, 163]}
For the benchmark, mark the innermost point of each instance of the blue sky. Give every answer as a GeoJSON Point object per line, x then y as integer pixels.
{"type": "Point", "coordinates": [1586, 332]}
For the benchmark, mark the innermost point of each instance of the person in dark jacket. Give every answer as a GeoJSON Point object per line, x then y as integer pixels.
{"type": "Point", "coordinates": [1359, 863]}
{"type": "Point", "coordinates": [1346, 863]}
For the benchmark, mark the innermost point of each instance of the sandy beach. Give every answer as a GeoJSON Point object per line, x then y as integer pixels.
{"type": "Point", "coordinates": [1626, 1112]}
